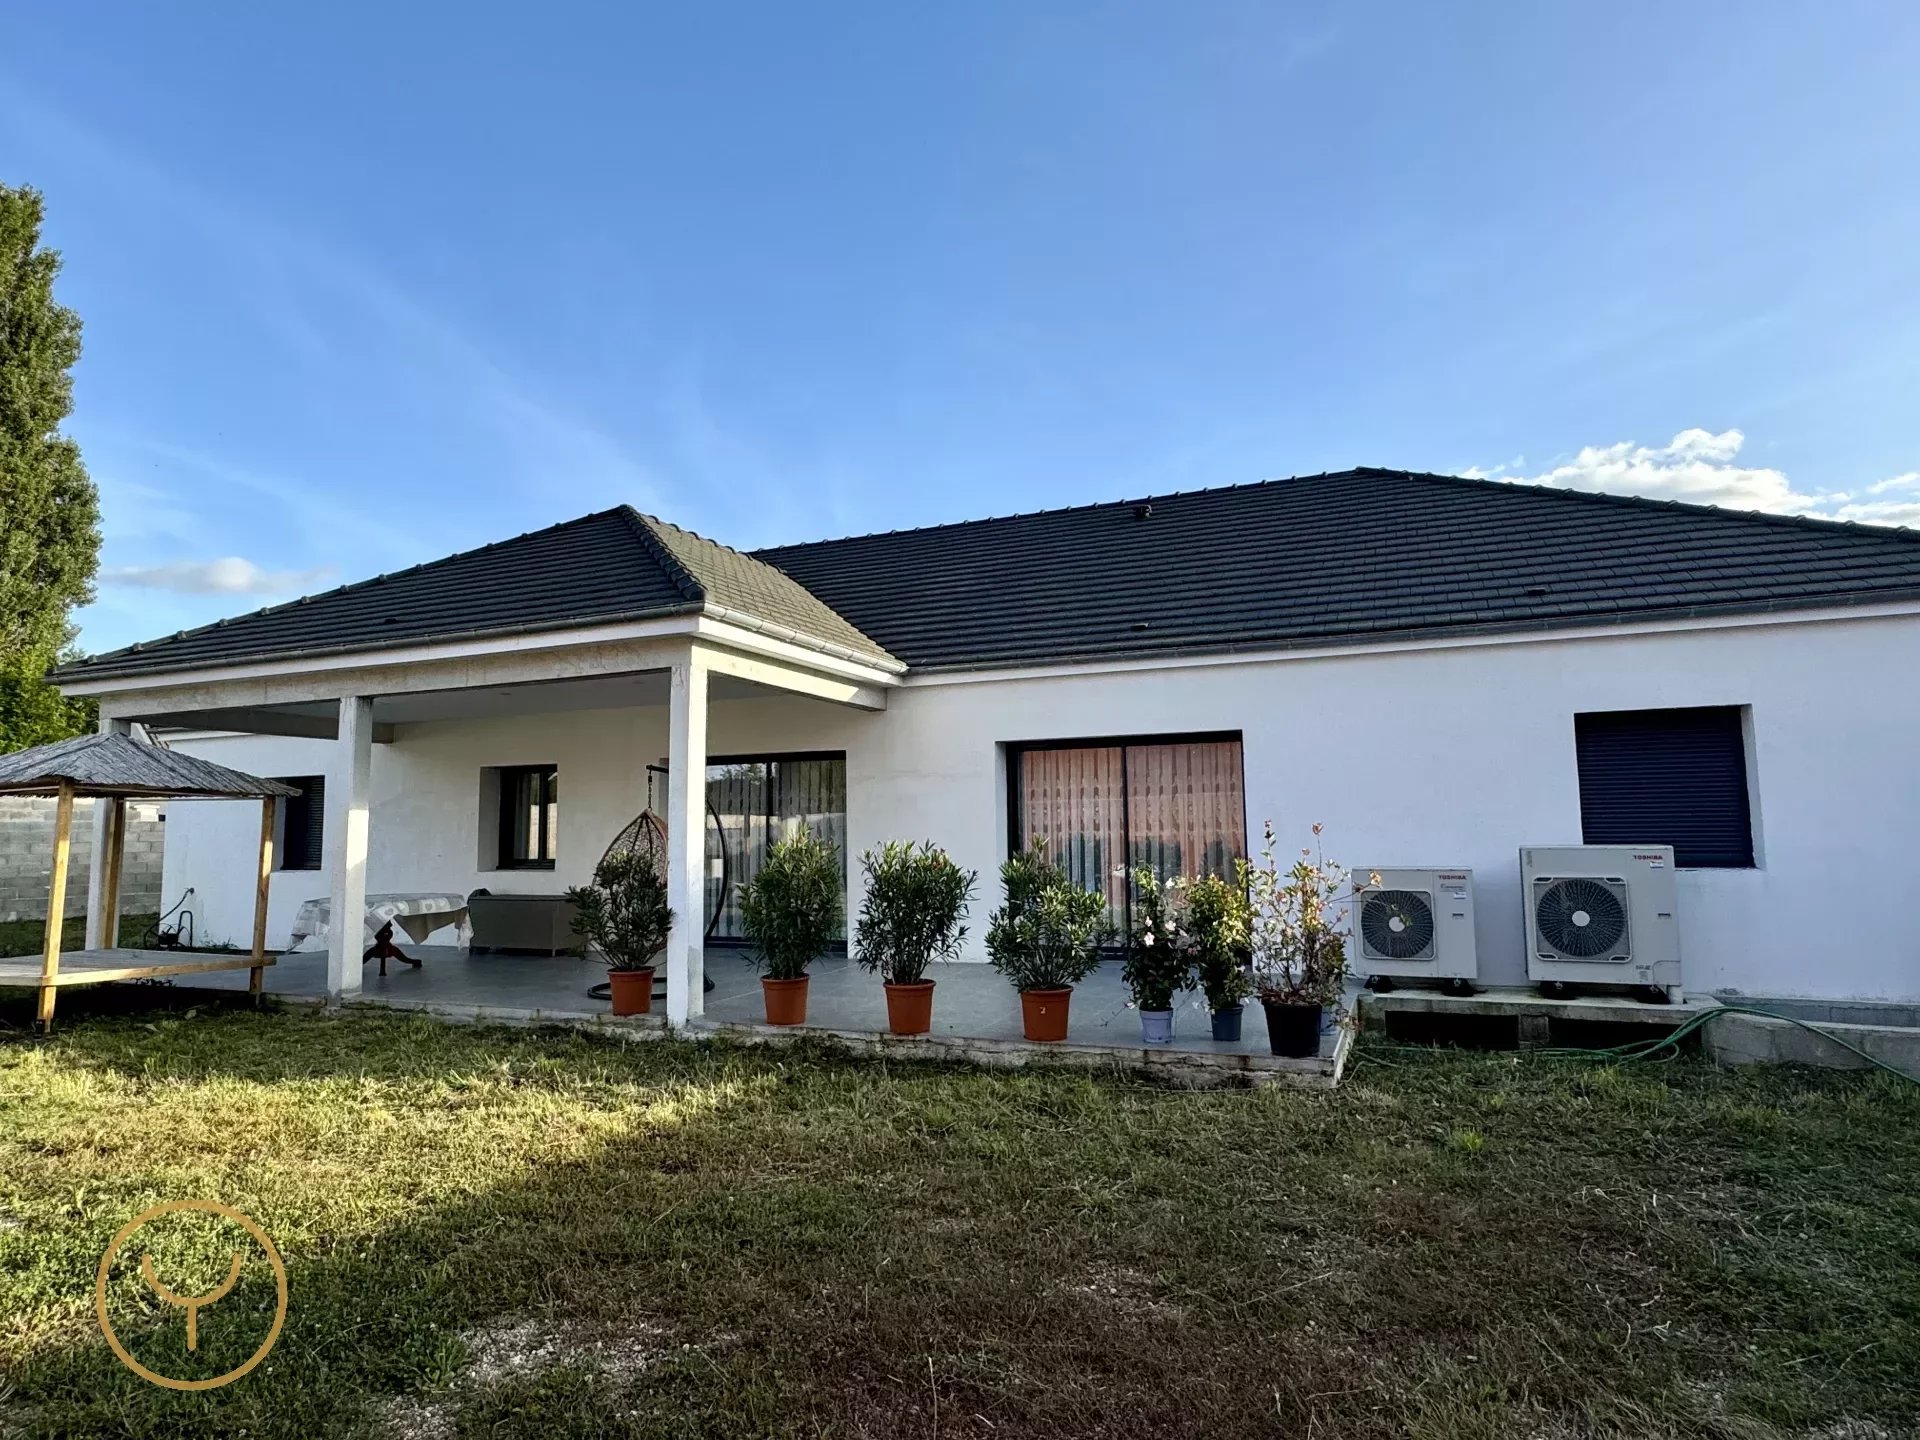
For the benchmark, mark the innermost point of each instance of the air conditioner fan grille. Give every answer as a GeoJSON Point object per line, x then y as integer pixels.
{"type": "Point", "coordinates": [1397, 924]}
{"type": "Point", "coordinates": [1582, 919]}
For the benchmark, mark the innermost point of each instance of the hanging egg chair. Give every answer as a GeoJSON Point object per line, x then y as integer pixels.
{"type": "Point", "coordinates": [646, 834]}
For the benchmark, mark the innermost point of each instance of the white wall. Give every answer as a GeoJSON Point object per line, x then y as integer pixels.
{"type": "Point", "coordinates": [1435, 757]}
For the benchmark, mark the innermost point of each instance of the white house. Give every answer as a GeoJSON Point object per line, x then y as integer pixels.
{"type": "Point", "coordinates": [1439, 670]}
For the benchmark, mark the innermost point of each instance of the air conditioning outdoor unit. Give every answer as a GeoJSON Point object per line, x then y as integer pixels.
{"type": "Point", "coordinates": [1415, 925]}
{"type": "Point", "coordinates": [1601, 915]}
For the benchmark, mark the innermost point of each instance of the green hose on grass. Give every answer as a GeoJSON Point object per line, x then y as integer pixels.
{"type": "Point", "coordinates": [1648, 1049]}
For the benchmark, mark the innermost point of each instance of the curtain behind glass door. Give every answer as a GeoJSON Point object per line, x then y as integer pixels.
{"type": "Point", "coordinates": [1073, 799]}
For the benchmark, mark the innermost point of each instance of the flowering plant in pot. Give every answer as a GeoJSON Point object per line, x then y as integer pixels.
{"type": "Point", "coordinates": [910, 916]}
{"type": "Point", "coordinates": [623, 915]}
{"type": "Point", "coordinates": [1045, 938]}
{"type": "Point", "coordinates": [1218, 926]}
{"type": "Point", "coordinates": [1299, 952]}
{"type": "Point", "coordinates": [791, 911]}
{"type": "Point", "coordinates": [1159, 959]}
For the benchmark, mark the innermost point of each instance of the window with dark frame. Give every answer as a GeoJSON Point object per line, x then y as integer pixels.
{"type": "Point", "coordinates": [1668, 777]}
{"type": "Point", "coordinates": [529, 816]}
{"type": "Point", "coordinates": [1175, 804]}
{"type": "Point", "coordinates": [301, 823]}
{"type": "Point", "coordinates": [754, 800]}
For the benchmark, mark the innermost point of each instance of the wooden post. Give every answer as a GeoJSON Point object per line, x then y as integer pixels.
{"type": "Point", "coordinates": [262, 886]}
{"type": "Point", "coordinates": [109, 928]}
{"type": "Point", "coordinates": [56, 902]}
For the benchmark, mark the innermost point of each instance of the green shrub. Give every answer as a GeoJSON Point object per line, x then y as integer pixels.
{"type": "Point", "coordinates": [916, 898]}
{"type": "Point", "coordinates": [1159, 951]}
{"type": "Point", "coordinates": [623, 914]}
{"type": "Point", "coordinates": [793, 907]}
{"type": "Point", "coordinates": [1218, 928]}
{"type": "Point", "coordinates": [1047, 934]}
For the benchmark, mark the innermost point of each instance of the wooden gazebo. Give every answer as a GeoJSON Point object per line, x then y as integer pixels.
{"type": "Point", "coordinates": [118, 768]}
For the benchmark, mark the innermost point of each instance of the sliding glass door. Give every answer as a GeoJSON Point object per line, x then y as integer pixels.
{"type": "Point", "coordinates": [754, 800]}
{"type": "Point", "coordinates": [1174, 804]}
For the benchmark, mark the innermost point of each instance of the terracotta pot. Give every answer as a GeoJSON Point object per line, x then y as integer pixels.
{"type": "Point", "coordinates": [632, 991]}
{"type": "Point", "coordinates": [786, 1000]}
{"type": "Point", "coordinates": [1043, 1013]}
{"type": "Point", "coordinates": [1292, 1030]}
{"type": "Point", "coordinates": [910, 1007]}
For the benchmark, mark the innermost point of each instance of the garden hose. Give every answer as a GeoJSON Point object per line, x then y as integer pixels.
{"type": "Point", "coordinates": [1647, 1049]}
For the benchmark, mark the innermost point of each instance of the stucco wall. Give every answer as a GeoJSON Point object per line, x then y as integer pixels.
{"type": "Point", "coordinates": [26, 857]}
{"type": "Point", "coordinates": [1438, 757]}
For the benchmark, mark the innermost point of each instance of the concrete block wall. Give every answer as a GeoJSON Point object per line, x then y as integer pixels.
{"type": "Point", "coordinates": [26, 857]}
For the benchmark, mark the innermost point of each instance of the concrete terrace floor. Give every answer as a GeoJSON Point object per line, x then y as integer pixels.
{"type": "Point", "coordinates": [971, 1001]}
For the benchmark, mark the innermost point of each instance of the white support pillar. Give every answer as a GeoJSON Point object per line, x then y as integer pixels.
{"type": "Point", "coordinates": [97, 929]}
{"type": "Point", "coordinates": [346, 829]}
{"type": "Point", "coordinates": [687, 836]}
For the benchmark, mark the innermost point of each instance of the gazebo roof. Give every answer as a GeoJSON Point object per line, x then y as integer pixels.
{"type": "Point", "coordinates": [115, 764]}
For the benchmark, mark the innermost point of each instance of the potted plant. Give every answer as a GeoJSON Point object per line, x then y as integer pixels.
{"type": "Point", "coordinates": [1159, 958]}
{"type": "Point", "coordinates": [1045, 939]}
{"type": "Point", "coordinates": [1299, 954]}
{"type": "Point", "coordinates": [790, 912]}
{"type": "Point", "coordinates": [624, 916]}
{"type": "Point", "coordinates": [910, 917]}
{"type": "Point", "coordinates": [1217, 931]}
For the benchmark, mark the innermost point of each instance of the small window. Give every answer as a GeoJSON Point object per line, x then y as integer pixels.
{"type": "Point", "coordinates": [301, 826]}
{"type": "Point", "coordinates": [529, 816]}
{"type": "Point", "coordinates": [1668, 777]}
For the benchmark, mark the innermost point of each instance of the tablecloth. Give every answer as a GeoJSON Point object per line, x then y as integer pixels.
{"type": "Point", "coordinates": [418, 915]}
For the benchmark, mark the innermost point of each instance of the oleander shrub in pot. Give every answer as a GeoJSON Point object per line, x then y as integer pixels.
{"type": "Point", "coordinates": [623, 915]}
{"type": "Point", "coordinates": [1159, 961]}
{"type": "Point", "coordinates": [1299, 950]}
{"type": "Point", "coordinates": [791, 912]}
{"type": "Point", "coordinates": [916, 900]}
{"type": "Point", "coordinates": [1045, 938]}
{"type": "Point", "coordinates": [1217, 923]}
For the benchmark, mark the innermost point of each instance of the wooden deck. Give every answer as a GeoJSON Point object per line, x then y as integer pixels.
{"type": "Point", "coordinates": [97, 967]}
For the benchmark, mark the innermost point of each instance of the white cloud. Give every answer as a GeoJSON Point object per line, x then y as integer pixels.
{"type": "Point", "coordinates": [230, 575]}
{"type": "Point", "coordinates": [1702, 468]}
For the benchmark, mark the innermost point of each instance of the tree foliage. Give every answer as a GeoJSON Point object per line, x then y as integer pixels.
{"type": "Point", "coordinates": [49, 509]}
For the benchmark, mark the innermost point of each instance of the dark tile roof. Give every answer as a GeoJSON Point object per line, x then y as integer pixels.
{"type": "Point", "coordinates": [611, 566]}
{"type": "Point", "coordinates": [1324, 559]}
{"type": "Point", "coordinates": [1348, 557]}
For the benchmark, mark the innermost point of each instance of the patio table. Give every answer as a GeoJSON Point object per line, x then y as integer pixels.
{"type": "Point", "coordinates": [419, 914]}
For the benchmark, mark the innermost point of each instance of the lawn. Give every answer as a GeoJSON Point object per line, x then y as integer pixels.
{"type": "Point", "coordinates": [511, 1232]}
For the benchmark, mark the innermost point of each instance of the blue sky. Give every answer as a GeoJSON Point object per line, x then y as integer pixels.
{"type": "Point", "coordinates": [366, 284]}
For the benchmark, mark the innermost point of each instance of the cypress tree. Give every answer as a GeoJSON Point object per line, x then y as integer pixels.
{"type": "Point", "coordinates": [49, 509]}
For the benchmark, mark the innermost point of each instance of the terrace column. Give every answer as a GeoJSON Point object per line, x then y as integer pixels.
{"type": "Point", "coordinates": [687, 836]}
{"type": "Point", "coordinates": [98, 931]}
{"type": "Point", "coordinates": [346, 831]}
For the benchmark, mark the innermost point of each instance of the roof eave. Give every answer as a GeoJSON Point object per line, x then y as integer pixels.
{"type": "Point", "coordinates": [91, 674]}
